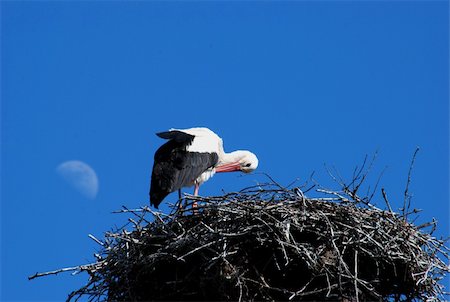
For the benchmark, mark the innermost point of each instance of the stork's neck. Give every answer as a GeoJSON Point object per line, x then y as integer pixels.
{"type": "Point", "coordinates": [232, 157]}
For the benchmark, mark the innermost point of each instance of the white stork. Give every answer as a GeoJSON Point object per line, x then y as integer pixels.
{"type": "Point", "coordinates": [191, 157]}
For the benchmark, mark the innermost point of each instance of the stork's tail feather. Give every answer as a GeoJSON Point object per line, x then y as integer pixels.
{"type": "Point", "coordinates": [156, 198]}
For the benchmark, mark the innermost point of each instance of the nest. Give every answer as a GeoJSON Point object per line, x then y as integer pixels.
{"type": "Point", "coordinates": [268, 243]}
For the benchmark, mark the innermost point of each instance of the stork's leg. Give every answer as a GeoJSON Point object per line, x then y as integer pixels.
{"type": "Point", "coordinates": [197, 186]}
{"type": "Point", "coordinates": [180, 205]}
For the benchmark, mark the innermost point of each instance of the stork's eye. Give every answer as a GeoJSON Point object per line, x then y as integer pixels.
{"type": "Point", "coordinates": [248, 165]}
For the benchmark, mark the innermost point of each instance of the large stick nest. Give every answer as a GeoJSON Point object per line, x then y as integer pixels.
{"type": "Point", "coordinates": [268, 243]}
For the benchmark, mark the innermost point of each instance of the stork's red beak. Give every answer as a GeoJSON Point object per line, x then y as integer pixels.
{"type": "Point", "coordinates": [231, 167]}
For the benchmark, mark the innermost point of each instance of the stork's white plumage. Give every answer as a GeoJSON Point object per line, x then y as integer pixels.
{"type": "Point", "coordinates": [191, 157]}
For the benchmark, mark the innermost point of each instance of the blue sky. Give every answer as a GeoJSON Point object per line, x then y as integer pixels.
{"type": "Point", "coordinates": [301, 84]}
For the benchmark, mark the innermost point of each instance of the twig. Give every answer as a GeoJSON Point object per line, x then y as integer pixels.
{"type": "Point", "coordinates": [96, 240]}
{"type": "Point", "coordinates": [407, 196]}
{"type": "Point", "coordinates": [67, 269]}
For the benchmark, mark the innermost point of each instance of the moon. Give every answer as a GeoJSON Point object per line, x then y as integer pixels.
{"type": "Point", "coordinates": [80, 176]}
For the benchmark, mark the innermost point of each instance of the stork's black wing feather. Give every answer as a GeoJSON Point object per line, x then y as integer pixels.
{"type": "Point", "coordinates": [178, 136]}
{"type": "Point", "coordinates": [174, 167]}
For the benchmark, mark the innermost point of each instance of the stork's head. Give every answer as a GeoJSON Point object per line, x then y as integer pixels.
{"type": "Point", "coordinates": [248, 162]}
{"type": "Point", "coordinates": [244, 161]}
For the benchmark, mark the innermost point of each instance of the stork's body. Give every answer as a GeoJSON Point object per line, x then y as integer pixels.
{"type": "Point", "coordinates": [191, 157]}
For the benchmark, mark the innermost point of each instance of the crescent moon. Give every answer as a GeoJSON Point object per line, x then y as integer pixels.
{"type": "Point", "coordinates": [80, 176]}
